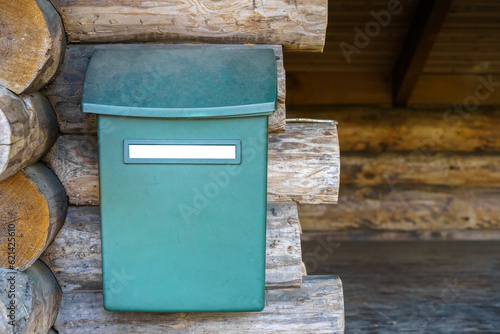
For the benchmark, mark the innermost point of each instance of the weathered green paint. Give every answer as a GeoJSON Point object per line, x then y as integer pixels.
{"type": "Point", "coordinates": [183, 237]}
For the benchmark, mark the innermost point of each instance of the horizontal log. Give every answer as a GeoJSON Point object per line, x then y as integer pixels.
{"type": "Point", "coordinates": [397, 235]}
{"type": "Point", "coordinates": [65, 93]}
{"type": "Point", "coordinates": [75, 254]}
{"type": "Point", "coordinates": [420, 167]}
{"type": "Point", "coordinates": [32, 209]}
{"type": "Point", "coordinates": [300, 25]}
{"type": "Point", "coordinates": [407, 208]}
{"type": "Point", "coordinates": [317, 307]}
{"type": "Point", "coordinates": [28, 128]}
{"type": "Point", "coordinates": [36, 297]}
{"type": "Point", "coordinates": [303, 165]}
{"type": "Point", "coordinates": [373, 129]}
{"type": "Point", "coordinates": [32, 43]}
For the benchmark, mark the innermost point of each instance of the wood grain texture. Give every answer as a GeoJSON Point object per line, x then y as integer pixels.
{"type": "Point", "coordinates": [420, 167]}
{"type": "Point", "coordinates": [33, 207]}
{"type": "Point", "coordinates": [28, 128]}
{"type": "Point", "coordinates": [375, 129]}
{"type": "Point", "coordinates": [397, 235]}
{"type": "Point", "coordinates": [407, 208]}
{"type": "Point", "coordinates": [298, 25]}
{"type": "Point", "coordinates": [303, 165]}
{"type": "Point", "coordinates": [37, 299]}
{"type": "Point", "coordinates": [65, 93]}
{"type": "Point", "coordinates": [75, 254]}
{"type": "Point", "coordinates": [31, 44]}
{"type": "Point", "coordinates": [317, 307]}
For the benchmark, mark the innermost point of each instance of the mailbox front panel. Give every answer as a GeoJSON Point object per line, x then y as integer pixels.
{"type": "Point", "coordinates": [183, 227]}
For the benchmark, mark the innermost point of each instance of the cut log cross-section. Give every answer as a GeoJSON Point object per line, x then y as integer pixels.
{"type": "Point", "coordinates": [30, 300]}
{"type": "Point", "coordinates": [28, 128]}
{"type": "Point", "coordinates": [298, 25]}
{"type": "Point", "coordinates": [32, 209]}
{"type": "Point", "coordinates": [303, 165]}
{"type": "Point", "coordinates": [318, 307]}
{"type": "Point", "coordinates": [65, 93]}
{"type": "Point", "coordinates": [31, 44]}
{"type": "Point", "coordinates": [75, 254]}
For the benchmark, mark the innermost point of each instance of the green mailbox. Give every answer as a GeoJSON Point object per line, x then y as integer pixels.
{"type": "Point", "coordinates": [182, 138]}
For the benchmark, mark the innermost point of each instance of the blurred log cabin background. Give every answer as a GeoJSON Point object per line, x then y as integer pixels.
{"type": "Point", "coordinates": [416, 91]}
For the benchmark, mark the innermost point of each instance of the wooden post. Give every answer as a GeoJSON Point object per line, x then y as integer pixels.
{"type": "Point", "coordinates": [29, 301]}
{"type": "Point", "coordinates": [31, 41]}
{"type": "Point", "coordinates": [303, 165]}
{"type": "Point", "coordinates": [32, 209]}
{"type": "Point", "coordinates": [28, 128]}
{"type": "Point", "coordinates": [298, 25]}
{"type": "Point", "coordinates": [75, 254]}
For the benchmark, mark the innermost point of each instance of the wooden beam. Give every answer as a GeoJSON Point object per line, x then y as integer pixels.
{"type": "Point", "coordinates": [420, 167]}
{"type": "Point", "coordinates": [375, 129]}
{"type": "Point", "coordinates": [32, 43]}
{"type": "Point", "coordinates": [317, 307]}
{"type": "Point", "coordinates": [32, 209]}
{"type": "Point", "coordinates": [303, 165]}
{"type": "Point", "coordinates": [75, 254]}
{"type": "Point", "coordinates": [398, 235]}
{"type": "Point", "coordinates": [28, 128]}
{"type": "Point", "coordinates": [407, 208]}
{"type": "Point", "coordinates": [422, 34]}
{"type": "Point", "coordinates": [36, 297]}
{"type": "Point", "coordinates": [65, 93]}
{"type": "Point", "coordinates": [298, 25]}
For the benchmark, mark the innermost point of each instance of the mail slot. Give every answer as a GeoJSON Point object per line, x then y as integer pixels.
{"type": "Point", "coordinates": [182, 137]}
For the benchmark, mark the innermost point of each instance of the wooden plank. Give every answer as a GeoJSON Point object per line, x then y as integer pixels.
{"type": "Point", "coordinates": [375, 129]}
{"type": "Point", "coordinates": [407, 208]}
{"type": "Point", "coordinates": [65, 93]}
{"type": "Point", "coordinates": [303, 165]}
{"type": "Point", "coordinates": [32, 209]}
{"type": "Point", "coordinates": [300, 25]}
{"type": "Point", "coordinates": [422, 34]}
{"type": "Point", "coordinates": [420, 167]}
{"type": "Point", "coordinates": [75, 254]}
{"type": "Point", "coordinates": [30, 300]}
{"type": "Point", "coordinates": [449, 89]}
{"type": "Point", "coordinates": [32, 44]}
{"type": "Point", "coordinates": [312, 88]}
{"type": "Point", "coordinates": [397, 235]}
{"type": "Point", "coordinates": [317, 307]}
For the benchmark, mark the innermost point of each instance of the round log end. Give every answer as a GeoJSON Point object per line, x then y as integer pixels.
{"type": "Point", "coordinates": [33, 206]}
{"type": "Point", "coordinates": [32, 44]}
{"type": "Point", "coordinates": [30, 300]}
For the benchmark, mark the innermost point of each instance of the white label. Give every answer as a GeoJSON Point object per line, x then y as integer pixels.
{"type": "Point", "coordinates": [182, 151]}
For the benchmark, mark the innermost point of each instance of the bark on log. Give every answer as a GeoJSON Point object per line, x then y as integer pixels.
{"type": "Point", "coordinates": [406, 207]}
{"type": "Point", "coordinates": [303, 165]}
{"type": "Point", "coordinates": [298, 25]}
{"type": "Point", "coordinates": [36, 297]}
{"type": "Point", "coordinates": [32, 209]}
{"type": "Point", "coordinates": [28, 128]}
{"type": "Point", "coordinates": [65, 93]}
{"type": "Point", "coordinates": [75, 254]}
{"type": "Point", "coordinates": [32, 44]}
{"type": "Point", "coordinates": [317, 307]}
{"type": "Point", "coordinates": [416, 167]}
{"type": "Point", "coordinates": [427, 130]}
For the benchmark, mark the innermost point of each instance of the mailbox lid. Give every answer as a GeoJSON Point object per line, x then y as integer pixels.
{"type": "Point", "coordinates": [205, 82]}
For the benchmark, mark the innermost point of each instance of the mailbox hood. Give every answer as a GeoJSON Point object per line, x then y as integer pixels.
{"type": "Point", "coordinates": [201, 82]}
